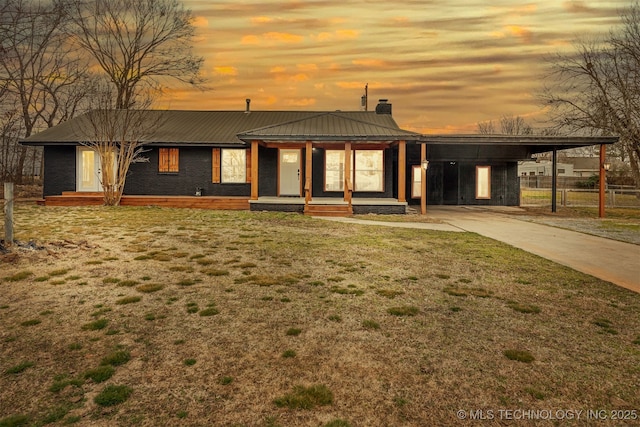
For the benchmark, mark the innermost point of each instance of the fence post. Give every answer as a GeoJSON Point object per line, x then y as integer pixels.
{"type": "Point", "coordinates": [613, 198]}
{"type": "Point", "coordinates": [8, 213]}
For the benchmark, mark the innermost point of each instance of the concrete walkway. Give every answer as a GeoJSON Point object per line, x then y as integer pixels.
{"type": "Point", "coordinates": [609, 260]}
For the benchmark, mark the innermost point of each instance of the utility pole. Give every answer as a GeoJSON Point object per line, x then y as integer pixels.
{"type": "Point", "coordinates": [364, 100]}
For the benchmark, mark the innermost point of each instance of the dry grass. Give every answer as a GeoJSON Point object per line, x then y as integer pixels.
{"type": "Point", "coordinates": [367, 325]}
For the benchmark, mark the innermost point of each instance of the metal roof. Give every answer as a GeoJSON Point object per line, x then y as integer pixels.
{"type": "Point", "coordinates": [537, 143]}
{"type": "Point", "coordinates": [333, 126]}
{"type": "Point", "coordinates": [222, 127]}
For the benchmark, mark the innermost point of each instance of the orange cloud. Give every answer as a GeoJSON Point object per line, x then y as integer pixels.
{"type": "Point", "coordinates": [283, 37]}
{"type": "Point", "coordinates": [251, 39]}
{"type": "Point", "coordinates": [301, 77]}
{"type": "Point", "coordinates": [277, 69]}
{"type": "Point", "coordinates": [271, 38]}
{"type": "Point", "coordinates": [514, 30]}
{"type": "Point", "coordinates": [520, 32]}
{"type": "Point", "coordinates": [373, 63]}
{"type": "Point", "coordinates": [304, 102]}
{"type": "Point", "coordinates": [226, 71]}
{"type": "Point", "coordinates": [200, 21]}
{"type": "Point", "coordinates": [336, 35]}
{"type": "Point", "coordinates": [307, 67]}
{"type": "Point", "coordinates": [347, 34]}
{"type": "Point", "coordinates": [261, 20]}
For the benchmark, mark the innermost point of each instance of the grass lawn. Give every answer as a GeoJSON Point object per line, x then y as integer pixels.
{"type": "Point", "coordinates": [148, 316]}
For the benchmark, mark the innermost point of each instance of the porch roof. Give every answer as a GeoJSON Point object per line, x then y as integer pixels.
{"type": "Point", "coordinates": [330, 126]}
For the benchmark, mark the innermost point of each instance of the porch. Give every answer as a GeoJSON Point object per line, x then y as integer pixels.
{"type": "Point", "coordinates": [329, 206]}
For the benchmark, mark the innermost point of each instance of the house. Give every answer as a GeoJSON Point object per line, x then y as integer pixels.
{"type": "Point", "coordinates": [331, 162]}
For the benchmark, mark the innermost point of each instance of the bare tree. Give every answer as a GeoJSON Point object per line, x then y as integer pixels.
{"type": "Point", "coordinates": [137, 44]}
{"type": "Point", "coordinates": [39, 71]}
{"type": "Point", "coordinates": [118, 137]}
{"type": "Point", "coordinates": [596, 89]}
{"type": "Point", "coordinates": [509, 125]}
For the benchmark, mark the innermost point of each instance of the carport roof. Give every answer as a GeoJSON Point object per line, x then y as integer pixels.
{"type": "Point", "coordinates": [535, 143]}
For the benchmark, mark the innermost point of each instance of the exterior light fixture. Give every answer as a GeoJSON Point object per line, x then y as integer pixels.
{"type": "Point", "coordinates": [606, 166]}
{"type": "Point", "coordinates": [425, 164]}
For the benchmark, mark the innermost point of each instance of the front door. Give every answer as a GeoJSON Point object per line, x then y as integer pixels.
{"type": "Point", "coordinates": [289, 172]}
{"type": "Point", "coordinates": [87, 170]}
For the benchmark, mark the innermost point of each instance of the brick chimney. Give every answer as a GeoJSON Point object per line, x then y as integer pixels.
{"type": "Point", "coordinates": [383, 107]}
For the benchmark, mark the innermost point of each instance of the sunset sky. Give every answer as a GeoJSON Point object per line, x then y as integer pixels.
{"type": "Point", "coordinates": [444, 65]}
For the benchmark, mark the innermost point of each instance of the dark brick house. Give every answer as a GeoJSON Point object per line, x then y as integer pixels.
{"type": "Point", "coordinates": [336, 162]}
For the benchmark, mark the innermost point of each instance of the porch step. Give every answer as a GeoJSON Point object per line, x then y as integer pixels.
{"type": "Point", "coordinates": [328, 210]}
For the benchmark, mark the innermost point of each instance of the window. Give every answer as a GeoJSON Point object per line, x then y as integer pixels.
{"type": "Point", "coordinates": [416, 182]}
{"type": "Point", "coordinates": [483, 182]}
{"type": "Point", "coordinates": [367, 172]}
{"type": "Point", "coordinates": [560, 171]}
{"type": "Point", "coordinates": [231, 166]}
{"type": "Point", "coordinates": [234, 166]}
{"type": "Point", "coordinates": [168, 160]}
{"type": "Point", "coordinates": [334, 170]}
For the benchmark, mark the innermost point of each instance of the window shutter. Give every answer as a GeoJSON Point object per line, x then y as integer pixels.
{"type": "Point", "coordinates": [215, 166]}
{"type": "Point", "coordinates": [174, 160]}
{"type": "Point", "coordinates": [248, 172]}
{"type": "Point", "coordinates": [163, 161]}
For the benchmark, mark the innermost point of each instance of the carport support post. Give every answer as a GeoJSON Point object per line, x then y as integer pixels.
{"type": "Point", "coordinates": [254, 170]}
{"type": "Point", "coordinates": [8, 213]}
{"type": "Point", "coordinates": [423, 180]}
{"type": "Point", "coordinates": [601, 195]}
{"type": "Point", "coordinates": [554, 180]}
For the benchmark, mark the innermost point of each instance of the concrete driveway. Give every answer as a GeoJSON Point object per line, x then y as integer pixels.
{"type": "Point", "coordinates": [610, 260]}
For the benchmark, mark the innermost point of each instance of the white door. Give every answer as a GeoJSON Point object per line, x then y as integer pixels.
{"type": "Point", "coordinates": [290, 172]}
{"type": "Point", "coordinates": [87, 170]}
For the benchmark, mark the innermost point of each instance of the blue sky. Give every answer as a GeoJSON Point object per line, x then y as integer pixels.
{"type": "Point", "coordinates": [444, 65]}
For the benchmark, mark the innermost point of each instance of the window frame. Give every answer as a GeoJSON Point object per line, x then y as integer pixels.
{"type": "Point", "coordinates": [483, 176]}
{"type": "Point", "coordinates": [354, 170]}
{"type": "Point", "coordinates": [416, 182]}
{"type": "Point", "coordinates": [243, 164]}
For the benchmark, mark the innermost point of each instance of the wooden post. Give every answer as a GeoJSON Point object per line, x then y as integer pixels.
{"type": "Point", "coordinates": [347, 172]}
{"type": "Point", "coordinates": [8, 213]}
{"type": "Point", "coordinates": [402, 171]}
{"type": "Point", "coordinates": [308, 172]}
{"type": "Point", "coordinates": [423, 180]}
{"type": "Point", "coordinates": [601, 195]}
{"type": "Point", "coordinates": [254, 170]}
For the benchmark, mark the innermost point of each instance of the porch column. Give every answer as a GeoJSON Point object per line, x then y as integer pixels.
{"type": "Point", "coordinates": [423, 180]}
{"type": "Point", "coordinates": [254, 170]}
{"type": "Point", "coordinates": [402, 171]}
{"type": "Point", "coordinates": [601, 195]}
{"type": "Point", "coordinates": [308, 184]}
{"type": "Point", "coordinates": [348, 185]}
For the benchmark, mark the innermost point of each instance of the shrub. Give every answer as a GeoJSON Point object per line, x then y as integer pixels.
{"type": "Point", "coordinates": [17, 369]}
{"type": "Point", "coordinates": [294, 332]}
{"type": "Point", "coordinates": [405, 310]}
{"type": "Point", "coordinates": [95, 325]}
{"type": "Point", "coordinates": [100, 374]}
{"type": "Point", "coordinates": [519, 355]}
{"type": "Point", "coordinates": [128, 300]}
{"type": "Point", "coordinates": [113, 395]}
{"type": "Point", "coordinates": [116, 358]}
{"type": "Point", "coordinates": [306, 397]}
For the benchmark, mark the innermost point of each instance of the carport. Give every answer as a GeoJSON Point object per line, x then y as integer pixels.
{"type": "Point", "coordinates": [439, 155]}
